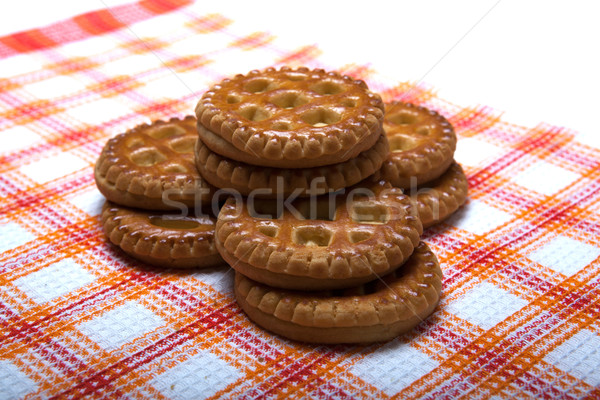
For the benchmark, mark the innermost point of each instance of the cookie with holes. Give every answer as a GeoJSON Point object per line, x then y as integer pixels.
{"type": "Point", "coordinates": [152, 167]}
{"type": "Point", "coordinates": [422, 144]}
{"type": "Point", "coordinates": [290, 118]}
{"type": "Point", "coordinates": [376, 311]}
{"type": "Point", "coordinates": [438, 199]}
{"type": "Point", "coordinates": [326, 242]}
{"type": "Point", "coordinates": [160, 238]}
{"type": "Point", "coordinates": [269, 182]}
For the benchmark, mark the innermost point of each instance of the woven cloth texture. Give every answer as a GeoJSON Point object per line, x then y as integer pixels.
{"type": "Point", "coordinates": [521, 296]}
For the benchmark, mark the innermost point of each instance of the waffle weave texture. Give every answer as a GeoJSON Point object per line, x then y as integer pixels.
{"type": "Point", "coordinates": [521, 295]}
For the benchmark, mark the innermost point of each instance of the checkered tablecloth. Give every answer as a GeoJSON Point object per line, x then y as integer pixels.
{"type": "Point", "coordinates": [520, 306]}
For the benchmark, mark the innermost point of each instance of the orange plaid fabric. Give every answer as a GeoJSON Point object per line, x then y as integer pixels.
{"type": "Point", "coordinates": [521, 297]}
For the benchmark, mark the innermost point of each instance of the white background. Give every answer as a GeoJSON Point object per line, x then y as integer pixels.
{"type": "Point", "coordinates": [536, 61]}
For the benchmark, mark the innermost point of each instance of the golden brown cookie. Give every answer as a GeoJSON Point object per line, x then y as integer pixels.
{"type": "Point", "coordinates": [440, 198]}
{"type": "Point", "coordinates": [162, 239]}
{"type": "Point", "coordinates": [289, 118]}
{"type": "Point", "coordinates": [376, 311]}
{"type": "Point", "coordinates": [422, 144]}
{"type": "Point", "coordinates": [349, 241]}
{"type": "Point", "coordinates": [267, 182]}
{"type": "Point", "coordinates": [150, 163]}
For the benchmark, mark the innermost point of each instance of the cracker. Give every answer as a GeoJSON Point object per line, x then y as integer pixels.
{"type": "Point", "coordinates": [137, 168]}
{"type": "Point", "coordinates": [289, 118]}
{"type": "Point", "coordinates": [440, 198]}
{"type": "Point", "coordinates": [376, 311]}
{"type": "Point", "coordinates": [162, 239]}
{"type": "Point", "coordinates": [267, 182]}
{"type": "Point", "coordinates": [422, 144]}
{"type": "Point", "coordinates": [353, 242]}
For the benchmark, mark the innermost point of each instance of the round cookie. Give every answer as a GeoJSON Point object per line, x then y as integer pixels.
{"type": "Point", "coordinates": [376, 311]}
{"type": "Point", "coordinates": [141, 166]}
{"type": "Point", "coordinates": [438, 199]}
{"type": "Point", "coordinates": [288, 118]}
{"type": "Point", "coordinates": [267, 182]}
{"type": "Point", "coordinates": [160, 239]}
{"type": "Point", "coordinates": [422, 144]}
{"type": "Point", "coordinates": [349, 241]}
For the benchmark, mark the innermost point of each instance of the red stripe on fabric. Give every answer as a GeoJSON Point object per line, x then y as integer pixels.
{"type": "Point", "coordinates": [29, 331]}
{"type": "Point", "coordinates": [209, 23]}
{"type": "Point", "coordinates": [298, 371]}
{"type": "Point", "coordinates": [25, 198]}
{"type": "Point", "coordinates": [566, 305]}
{"type": "Point", "coordinates": [585, 225]}
{"type": "Point", "coordinates": [594, 394]}
{"type": "Point", "coordinates": [88, 135]}
{"type": "Point", "coordinates": [327, 390]}
{"type": "Point", "coordinates": [38, 250]}
{"type": "Point", "coordinates": [538, 387]}
{"type": "Point", "coordinates": [517, 273]}
{"type": "Point", "coordinates": [98, 22]}
{"type": "Point", "coordinates": [52, 351]}
{"type": "Point", "coordinates": [412, 93]}
{"type": "Point", "coordinates": [474, 120]}
{"type": "Point", "coordinates": [71, 138]}
{"type": "Point", "coordinates": [302, 56]}
{"type": "Point", "coordinates": [506, 195]}
{"type": "Point", "coordinates": [163, 6]}
{"type": "Point", "coordinates": [23, 42]}
{"type": "Point", "coordinates": [67, 31]}
{"type": "Point", "coordinates": [165, 288]}
{"type": "Point", "coordinates": [578, 159]}
{"type": "Point", "coordinates": [6, 84]}
{"type": "Point", "coordinates": [85, 25]}
{"type": "Point", "coordinates": [357, 71]}
{"type": "Point", "coordinates": [451, 341]}
{"type": "Point", "coordinates": [47, 216]}
{"type": "Point", "coordinates": [453, 244]}
{"type": "Point", "coordinates": [181, 298]}
{"type": "Point", "coordinates": [29, 112]}
{"type": "Point", "coordinates": [23, 330]}
{"type": "Point", "coordinates": [492, 253]}
{"type": "Point", "coordinates": [212, 320]}
{"type": "Point", "coordinates": [526, 146]}
{"type": "Point", "coordinates": [523, 276]}
{"type": "Point", "coordinates": [245, 340]}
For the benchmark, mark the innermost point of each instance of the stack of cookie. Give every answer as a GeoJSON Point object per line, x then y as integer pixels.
{"type": "Point", "coordinates": [144, 173]}
{"type": "Point", "coordinates": [327, 192]}
{"type": "Point", "coordinates": [421, 161]}
{"type": "Point", "coordinates": [357, 275]}
{"type": "Point", "coordinates": [280, 132]}
{"type": "Point", "coordinates": [347, 266]}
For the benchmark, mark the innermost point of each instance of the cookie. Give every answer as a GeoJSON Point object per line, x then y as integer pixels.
{"type": "Point", "coordinates": [162, 239]}
{"type": "Point", "coordinates": [152, 167]}
{"type": "Point", "coordinates": [350, 239]}
{"type": "Point", "coordinates": [290, 118]}
{"type": "Point", "coordinates": [376, 311]}
{"type": "Point", "coordinates": [422, 145]}
{"type": "Point", "coordinates": [267, 182]}
{"type": "Point", "coordinates": [440, 198]}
